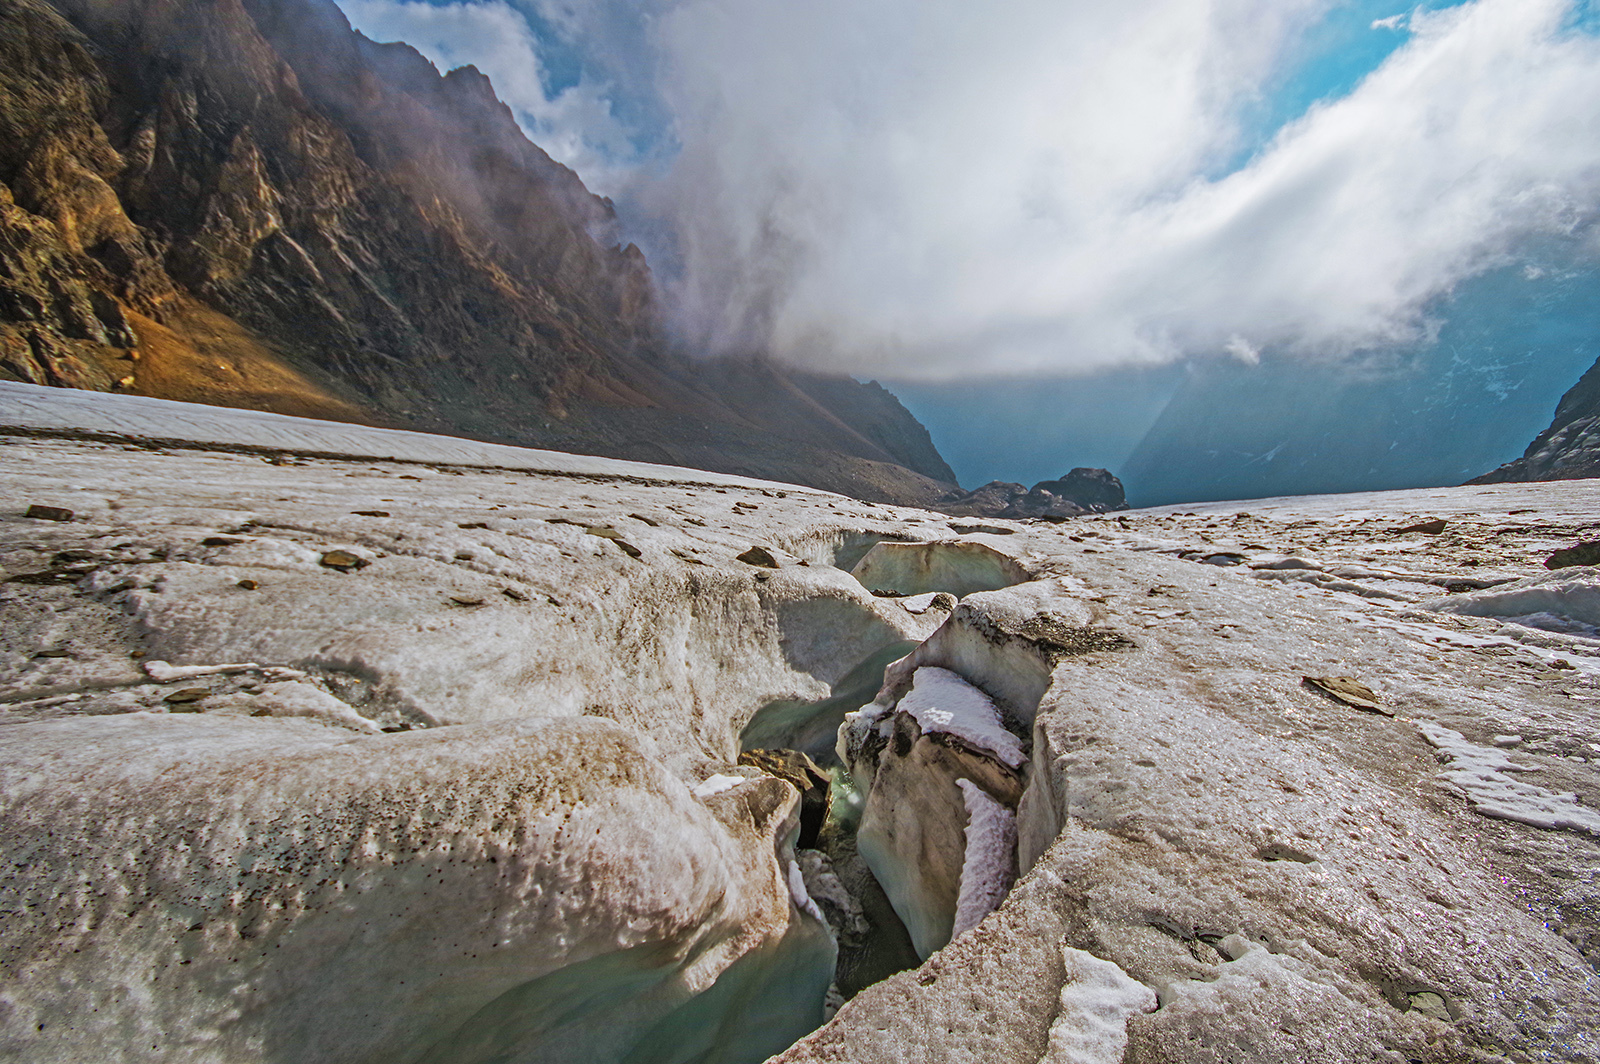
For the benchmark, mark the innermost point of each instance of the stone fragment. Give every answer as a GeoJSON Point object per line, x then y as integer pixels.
{"type": "Point", "coordinates": [1584, 552]}
{"type": "Point", "coordinates": [1429, 1004]}
{"type": "Point", "coordinates": [343, 561]}
{"type": "Point", "coordinates": [607, 532]}
{"type": "Point", "coordinates": [248, 584]}
{"type": "Point", "coordinates": [47, 577]}
{"type": "Point", "coordinates": [49, 513]}
{"type": "Point", "coordinates": [759, 556]}
{"type": "Point", "coordinates": [1431, 528]}
{"type": "Point", "coordinates": [1349, 691]}
{"type": "Point", "coordinates": [797, 768]}
{"type": "Point", "coordinates": [185, 695]}
{"type": "Point", "coordinates": [370, 513]}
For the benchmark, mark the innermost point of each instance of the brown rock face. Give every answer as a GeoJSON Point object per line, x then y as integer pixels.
{"type": "Point", "coordinates": [794, 767]}
{"type": "Point", "coordinates": [288, 215]}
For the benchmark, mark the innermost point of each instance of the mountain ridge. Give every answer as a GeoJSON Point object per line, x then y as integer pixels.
{"type": "Point", "coordinates": [247, 202]}
{"type": "Point", "coordinates": [1569, 449]}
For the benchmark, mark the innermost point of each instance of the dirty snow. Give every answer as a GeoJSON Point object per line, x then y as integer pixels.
{"type": "Point", "coordinates": [138, 418]}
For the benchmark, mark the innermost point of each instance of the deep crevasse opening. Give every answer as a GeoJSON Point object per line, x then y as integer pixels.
{"type": "Point", "coordinates": [943, 778]}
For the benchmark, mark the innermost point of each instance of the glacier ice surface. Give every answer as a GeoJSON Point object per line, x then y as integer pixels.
{"type": "Point", "coordinates": [517, 867]}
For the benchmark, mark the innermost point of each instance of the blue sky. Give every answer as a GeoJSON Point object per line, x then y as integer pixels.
{"type": "Point", "coordinates": [1347, 43]}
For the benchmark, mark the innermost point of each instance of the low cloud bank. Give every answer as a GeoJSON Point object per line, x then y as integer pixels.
{"type": "Point", "coordinates": [930, 188]}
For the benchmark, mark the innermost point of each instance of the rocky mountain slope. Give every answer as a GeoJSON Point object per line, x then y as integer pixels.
{"type": "Point", "coordinates": [324, 742]}
{"type": "Point", "coordinates": [1570, 448]}
{"type": "Point", "coordinates": [245, 202]}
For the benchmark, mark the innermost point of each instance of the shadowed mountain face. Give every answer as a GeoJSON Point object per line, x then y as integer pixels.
{"type": "Point", "coordinates": [247, 203]}
{"type": "Point", "coordinates": [1439, 414]}
{"type": "Point", "coordinates": [1570, 448]}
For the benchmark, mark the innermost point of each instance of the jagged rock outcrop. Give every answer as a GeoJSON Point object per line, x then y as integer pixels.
{"type": "Point", "coordinates": [1079, 492]}
{"type": "Point", "coordinates": [1097, 490]}
{"type": "Point", "coordinates": [245, 202]}
{"type": "Point", "coordinates": [1570, 448]}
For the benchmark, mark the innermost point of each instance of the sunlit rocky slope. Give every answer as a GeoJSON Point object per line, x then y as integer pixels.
{"type": "Point", "coordinates": [320, 742]}
{"type": "Point", "coordinates": [244, 202]}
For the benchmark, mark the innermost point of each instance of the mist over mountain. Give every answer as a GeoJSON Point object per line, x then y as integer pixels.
{"type": "Point", "coordinates": [248, 203]}
{"type": "Point", "coordinates": [1000, 201]}
{"type": "Point", "coordinates": [1507, 344]}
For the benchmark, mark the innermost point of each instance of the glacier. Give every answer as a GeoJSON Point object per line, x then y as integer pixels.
{"type": "Point", "coordinates": [479, 799]}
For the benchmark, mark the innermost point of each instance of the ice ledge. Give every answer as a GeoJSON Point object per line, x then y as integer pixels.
{"type": "Point", "coordinates": [51, 411]}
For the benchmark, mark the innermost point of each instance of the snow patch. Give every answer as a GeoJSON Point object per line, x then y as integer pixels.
{"type": "Point", "coordinates": [1554, 622]}
{"type": "Point", "coordinates": [1097, 1001]}
{"type": "Point", "coordinates": [1567, 600]}
{"type": "Point", "coordinates": [162, 672]}
{"type": "Point", "coordinates": [941, 701]}
{"type": "Point", "coordinates": [1516, 637]}
{"type": "Point", "coordinates": [987, 870]}
{"type": "Point", "coordinates": [797, 892]}
{"type": "Point", "coordinates": [920, 604]}
{"type": "Point", "coordinates": [1251, 972]}
{"type": "Point", "coordinates": [1480, 771]}
{"type": "Point", "coordinates": [717, 784]}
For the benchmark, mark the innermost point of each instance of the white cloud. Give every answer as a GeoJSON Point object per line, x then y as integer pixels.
{"type": "Point", "coordinates": [1393, 22]}
{"type": "Point", "coordinates": [1242, 349]}
{"type": "Point", "coordinates": [942, 188]}
{"type": "Point", "coordinates": [939, 188]}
